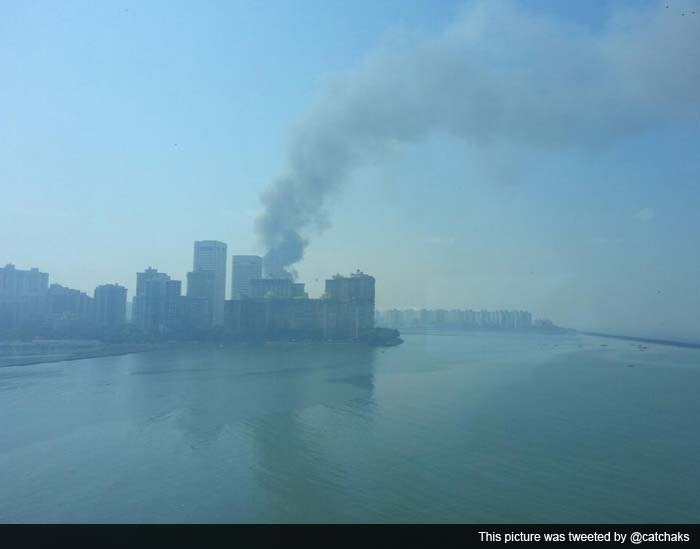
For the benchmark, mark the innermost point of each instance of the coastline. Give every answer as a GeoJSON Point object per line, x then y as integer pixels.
{"type": "Point", "coordinates": [97, 351]}
{"type": "Point", "coordinates": [50, 351]}
{"type": "Point", "coordinates": [670, 343]}
{"type": "Point", "coordinates": [456, 332]}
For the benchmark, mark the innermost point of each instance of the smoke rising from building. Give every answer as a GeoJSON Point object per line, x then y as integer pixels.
{"type": "Point", "coordinates": [497, 75]}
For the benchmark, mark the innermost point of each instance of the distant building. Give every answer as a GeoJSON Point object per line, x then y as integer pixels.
{"type": "Point", "coordinates": [409, 317]}
{"type": "Point", "coordinates": [276, 288]}
{"type": "Point", "coordinates": [23, 297]}
{"type": "Point", "coordinates": [195, 313]}
{"type": "Point", "coordinates": [357, 287]}
{"type": "Point", "coordinates": [210, 256]}
{"type": "Point", "coordinates": [470, 319]}
{"type": "Point", "coordinates": [427, 317]}
{"type": "Point", "coordinates": [17, 283]}
{"type": "Point", "coordinates": [201, 286]}
{"type": "Point", "coordinates": [281, 308]}
{"type": "Point", "coordinates": [456, 319]}
{"type": "Point", "coordinates": [67, 302]}
{"type": "Point", "coordinates": [524, 320]}
{"type": "Point", "coordinates": [244, 269]}
{"type": "Point", "coordinates": [155, 305]}
{"type": "Point", "coordinates": [110, 305]}
{"type": "Point", "coordinates": [392, 317]}
{"type": "Point", "coordinates": [349, 310]}
{"type": "Point", "coordinates": [272, 318]}
{"type": "Point", "coordinates": [483, 318]}
{"type": "Point", "coordinates": [441, 317]}
{"type": "Point", "coordinates": [70, 312]}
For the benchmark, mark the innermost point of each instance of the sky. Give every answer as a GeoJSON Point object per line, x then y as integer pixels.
{"type": "Point", "coordinates": [537, 155]}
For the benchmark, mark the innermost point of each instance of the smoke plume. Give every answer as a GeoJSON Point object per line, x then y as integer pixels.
{"type": "Point", "coordinates": [497, 75]}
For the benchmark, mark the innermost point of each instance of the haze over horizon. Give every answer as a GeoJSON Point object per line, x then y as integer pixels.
{"type": "Point", "coordinates": [495, 155]}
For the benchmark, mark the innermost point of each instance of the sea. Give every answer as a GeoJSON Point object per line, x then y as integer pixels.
{"type": "Point", "coordinates": [445, 428]}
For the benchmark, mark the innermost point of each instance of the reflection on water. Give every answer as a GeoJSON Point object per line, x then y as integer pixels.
{"type": "Point", "coordinates": [242, 383]}
{"type": "Point", "coordinates": [467, 428]}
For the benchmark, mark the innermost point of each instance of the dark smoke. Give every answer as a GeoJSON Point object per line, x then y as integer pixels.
{"type": "Point", "coordinates": [498, 75]}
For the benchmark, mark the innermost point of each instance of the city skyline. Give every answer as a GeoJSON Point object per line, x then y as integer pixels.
{"type": "Point", "coordinates": [276, 308]}
{"type": "Point", "coordinates": [577, 206]}
{"type": "Point", "coordinates": [151, 279]}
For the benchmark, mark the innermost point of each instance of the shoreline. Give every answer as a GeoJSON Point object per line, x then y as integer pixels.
{"type": "Point", "coordinates": [456, 332]}
{"type": "Point", "coordinates": [9, 361]}
{"type": "Point", "coordinates": [667, 342]}
{"type": "Point", "coordinates": [120, 349]}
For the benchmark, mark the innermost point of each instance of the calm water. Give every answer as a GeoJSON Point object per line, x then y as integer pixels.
{"type": "Point", "coordinates": [467, 428]}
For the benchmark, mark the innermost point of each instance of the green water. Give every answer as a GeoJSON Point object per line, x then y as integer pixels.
{"type": "Point", "coordinates": [464, 428]}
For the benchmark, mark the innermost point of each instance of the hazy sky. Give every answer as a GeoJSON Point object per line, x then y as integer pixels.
{"type": "Point", "coordinates": [558, 171]}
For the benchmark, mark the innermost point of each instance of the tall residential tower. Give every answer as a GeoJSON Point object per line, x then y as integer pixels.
{"type": "Point", "coordinates": [110, 305]}
{"type": "Point", "coordinates": [210, 256]}
{"type": "Point", "coordinates": [244, 269]}
{"type": "Point", "coordinates": [156, 301]}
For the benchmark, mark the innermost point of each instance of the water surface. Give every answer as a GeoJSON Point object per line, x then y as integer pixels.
{"type": "Point", "coordinates": [461, 428]}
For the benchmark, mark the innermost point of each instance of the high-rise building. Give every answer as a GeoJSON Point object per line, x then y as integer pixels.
{"type": "Point", "coordinates": [277, 288]}
{"type": "Point", "coordinates": [16, 283]}
{"type": "Point", "coordinates": [410, 317]}
{"type": "Point", "coordinates": [244, 268]}
{"type": "Point", "coordinates": [349, 310]}
{"type": "Point", "coordinates": [280, 308]}
{"type": "Point", "coordinates": [155, 306]}
{"type": "Point", "coordinates": [200, 289]}
{"type": "Point", "coordinates": [110, 305]}
{"type": "Point", "coordinates": [524, 320]}
{"type": "Point", "coordinates": [356, 287]}
{"type": "Point", "coordinates": [70, 313]}
{"type": "Point", "coordinates": [210, 256]}
{"type": "Point", "coordinates": [195, 313]}
{"type": "Point", "coordinates": [394, 318]}
{"type": "Point", "coordinates": [68, 303]}
{"type": "Point", "coordinates": [23, 297]}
